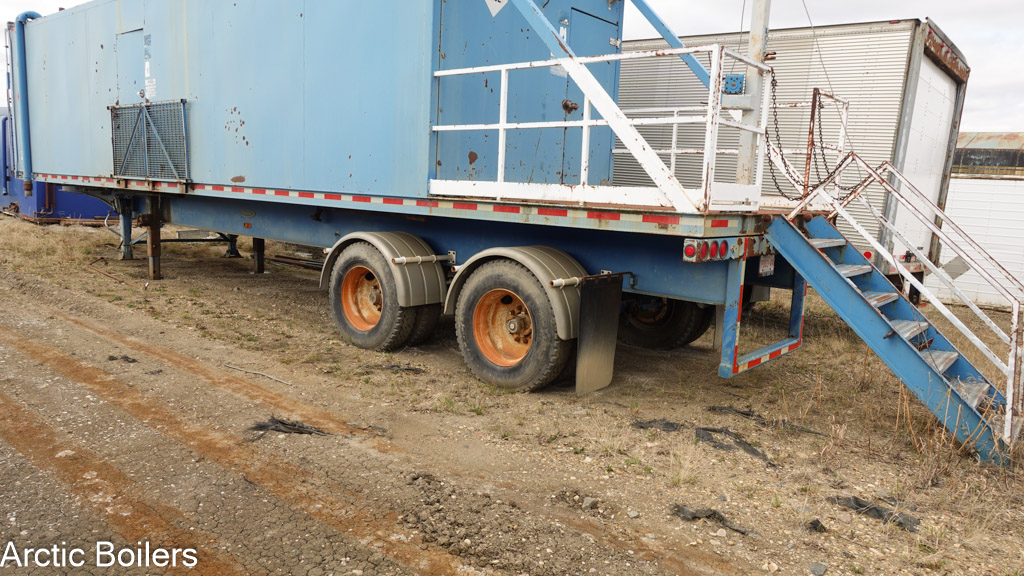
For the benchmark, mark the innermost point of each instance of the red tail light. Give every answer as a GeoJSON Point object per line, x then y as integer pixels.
{"type": "Point", "coordinates": [714, 249]}
{"type": "Point", "coordinates": [724, 249]}
{"type": "Point", "coordinates": [704, 251]}
{"type": "Point", "coordinates": [690, 250]}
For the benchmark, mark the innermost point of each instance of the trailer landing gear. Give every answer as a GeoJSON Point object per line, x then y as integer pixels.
{"type": "Point", "coordinates": [506, 328]}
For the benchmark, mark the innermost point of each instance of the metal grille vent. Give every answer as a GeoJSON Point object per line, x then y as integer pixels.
{"type": "Point", "coordinates": [150, 141]}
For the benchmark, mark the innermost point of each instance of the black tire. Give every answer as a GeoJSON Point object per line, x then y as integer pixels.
{"type": "Point", "coordinates": [509, 284]}
{"type": "Point", "coordinates": [364, 267]}
{"type": "Point", "coordinates": [427, 318]}
{"type": "Point", "coordinates": [662, 323]}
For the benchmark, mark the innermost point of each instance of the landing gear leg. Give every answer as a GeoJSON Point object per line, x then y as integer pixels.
{"type": "Point", "coordinates": [259, 246]}
{"type": "Point", "coordinates": [153, 238]}
{"type": "Point", "coordinates": [124, 211]}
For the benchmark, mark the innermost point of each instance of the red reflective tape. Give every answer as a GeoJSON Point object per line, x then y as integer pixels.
{"type": "Point", "coordinates": [305, 195]}
{"type": "Point", "coordinates": [258, 191]}
{"type": "Point", "coordinates": [753, 363]}
{"type": "Point", "coordinates": [110, 180]}
{"type": "Point", "coordinates": [603, 215]}
{"type": "Point", "coordinates": [74, 177]}
{"type": "Point", "coordinates": [63, 177]}
{"type": "Point", "coordinates": [775, 354]}
{"type": "Point", "coordinates": [427, 203]}
{"type": "Point", "coordinates": [218, 188]}
{"type": "Point", "coordinates": [394, 201]}
{"type": "Point", "coordinates": [719, 223]}
{"type": "Point", "coordinates": [463, 206]}
{"type": "Point", "coordinates": [199, 187]}
{"type": "Point", "coordinates": [332, 196]}
{"type": "Point", "coordinates": [236, 190]}
{"type": "Point", "coordinates": [652, 219]}
{"type": "Point", "coordinates": [508, 209]}
{"type": "Point", "coordinates": [793, 347]}
{"type": "Point", "coordinates": [552, 212]}
{"type": "Point", "coordinates": [360, 198]}
{"type": "Point", "coordinates": [281, 192]}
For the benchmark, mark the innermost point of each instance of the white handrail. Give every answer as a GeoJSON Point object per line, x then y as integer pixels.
{"type": "Point", "coordinates": [1011, 368]}
{"type": "Point", "coordinates": [667, 190]}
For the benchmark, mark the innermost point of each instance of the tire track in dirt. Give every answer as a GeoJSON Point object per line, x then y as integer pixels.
{"type": "Point", "coordinates": [107, 490]}
{"type": "Point", "coordinates": [332, 504]}
{"type": "Point", "coordinates": [331, 422]}
{"type": "Point", "coordinates": [323, 419]}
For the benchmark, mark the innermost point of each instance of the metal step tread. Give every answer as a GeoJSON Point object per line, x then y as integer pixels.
{"type": "Point", "coordinates": [972, 391]}
{"type": "Point", "coordinates": [879, 299]}
{"type": "Point", "coordinates": [848, 270]}
{"type": "Point", "coordinates": [940, 360]}
{"type": "Point", "coordinates": [822, 243]}
{"type": "Point", "coordinates": [908, 328]}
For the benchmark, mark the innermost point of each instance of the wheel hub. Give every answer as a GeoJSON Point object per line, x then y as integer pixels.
{"type": "Point", "coordinates": [362, 300]}
{"type": "Point", "coordinates": [502, 327]}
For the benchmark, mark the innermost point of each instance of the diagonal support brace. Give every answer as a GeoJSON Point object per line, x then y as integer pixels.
{"type": "Point", "coordinates": [652, 164]}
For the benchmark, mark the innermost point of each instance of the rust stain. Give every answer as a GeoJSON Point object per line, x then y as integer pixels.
{"type": "Point", "coordinates": [945, 56]}
{"type": "Point", "coordinates": [330, 503]}
{"type": "Point", "coordinates": [238, 179]}
{"type": "Point", "coordinates": [991, 140]}
{"type": "Point", "coordinates": [110, 491]}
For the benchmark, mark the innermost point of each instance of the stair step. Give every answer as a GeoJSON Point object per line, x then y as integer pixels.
{"type": "Point", "coordinates": [940, 360]}
{"type": "Point", "coordinates": [972, 392]}
{"type": "Point", "coordinates": [909, 328]}
{"type": "Point", "coordinates": [849, 270]}
{"type": "Point", "coordinates": [879, 299]}
{"type": "Point", "coordinates": [822, 243]}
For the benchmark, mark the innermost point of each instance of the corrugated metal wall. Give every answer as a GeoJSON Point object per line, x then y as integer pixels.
{"type": "Point", "coordinates": [864, 63]}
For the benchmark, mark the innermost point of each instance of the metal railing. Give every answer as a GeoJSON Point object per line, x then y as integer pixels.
{"type": "Point", "coordinates": [667, 190]}
{"type": "Point", "coordinates": [915, 203]}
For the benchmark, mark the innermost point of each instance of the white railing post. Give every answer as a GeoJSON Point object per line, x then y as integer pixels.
{"type": "Point", "coordinates": [502, 124]}
{"type": "Point", "coordinates": [675, 142]}
{"type": "Point", "coordinates": [585, 155]}
{"type": "Point", "coordinates": [714, 112]}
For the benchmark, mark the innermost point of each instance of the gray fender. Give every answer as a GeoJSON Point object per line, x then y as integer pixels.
{"type": "Point", "coordinates": [546, 264]}
{"type": "Point", "coordinates": [418, 284]}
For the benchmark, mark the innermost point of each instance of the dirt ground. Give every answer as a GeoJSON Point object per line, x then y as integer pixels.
{"type": "Point", "coordinates": [127, 416]}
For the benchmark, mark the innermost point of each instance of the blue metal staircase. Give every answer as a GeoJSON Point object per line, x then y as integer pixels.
{"type": "Point", "coordinates": [928, 364]}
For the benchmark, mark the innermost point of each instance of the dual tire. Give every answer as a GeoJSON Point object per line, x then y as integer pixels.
{"type": "Point", "coordinates": [504, 321]}
{"type": "Point", "coordinates": [662, 323]}
{"type": "Point", "coordinates": [364, 303]}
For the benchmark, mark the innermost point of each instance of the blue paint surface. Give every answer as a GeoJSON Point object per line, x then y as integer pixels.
{"type": "Point", "coordinates": [317, 94]}
{"type": "Point", "coordinates": [33, 205]}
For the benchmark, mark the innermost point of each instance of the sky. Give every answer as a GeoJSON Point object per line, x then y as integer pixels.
{"type": "Point", "coordinates": [988, 32]}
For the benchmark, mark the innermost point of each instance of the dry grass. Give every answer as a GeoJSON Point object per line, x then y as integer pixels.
{"type": "Point", "coordinates": [874, 431]}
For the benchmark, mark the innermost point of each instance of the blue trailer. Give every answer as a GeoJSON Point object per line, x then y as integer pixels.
{"type": "Point", "coordinates": [456, 157]}
{"type": "Point", "coordinates": [43, 203]}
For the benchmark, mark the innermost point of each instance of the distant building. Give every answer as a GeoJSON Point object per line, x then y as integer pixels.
{"type": "Point", "coordinates": [986, 198]}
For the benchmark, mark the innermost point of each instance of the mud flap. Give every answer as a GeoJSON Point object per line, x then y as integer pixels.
{"type": "Point", "coordinates": [600, 301]}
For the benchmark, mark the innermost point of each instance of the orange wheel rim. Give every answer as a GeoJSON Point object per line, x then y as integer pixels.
{"type": "Point", "coordinates": [361, 298]}
{"type": "Point", "coordinates": [502, 327]}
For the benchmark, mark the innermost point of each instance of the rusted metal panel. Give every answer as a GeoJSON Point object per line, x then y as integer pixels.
{"type": "Point", "coordinates": [944, 53]}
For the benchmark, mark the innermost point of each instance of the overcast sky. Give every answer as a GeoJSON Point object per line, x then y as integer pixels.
{"type": "Point", "coordinates": [990, 34]}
